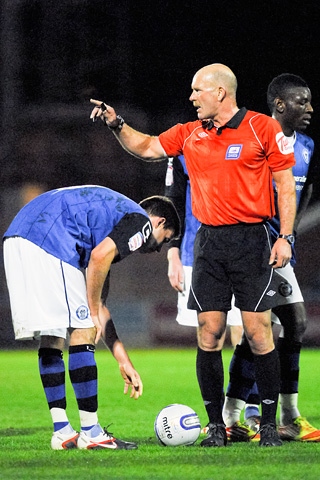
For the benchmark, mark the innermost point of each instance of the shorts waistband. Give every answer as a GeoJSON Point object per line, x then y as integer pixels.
{"type": "Point", "coordinates": [234, 225]}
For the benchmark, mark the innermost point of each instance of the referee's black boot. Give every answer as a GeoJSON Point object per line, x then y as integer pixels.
{"type": "Point", "coordinates": [269, 437]}
{"type": "Point", "coordinates": [216, 436]}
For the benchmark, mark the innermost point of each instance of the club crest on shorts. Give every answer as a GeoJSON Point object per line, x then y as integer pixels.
{"type": "Point", "coordinates": [82, 312]}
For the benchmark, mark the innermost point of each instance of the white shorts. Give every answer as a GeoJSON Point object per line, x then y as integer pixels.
{"type": "Point", "coordinates": [288, 274]}
{"type": "Point", "coordinates": [189, 317]}
{"type": "Point", "coordinates": [47, 296]}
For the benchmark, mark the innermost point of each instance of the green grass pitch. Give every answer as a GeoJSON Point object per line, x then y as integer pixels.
{"type": "Point", "coordinates": [169, 377]}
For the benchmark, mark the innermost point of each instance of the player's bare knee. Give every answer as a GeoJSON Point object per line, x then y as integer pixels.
{"type": "Point", "coordinates": [48, 341]}
{"type": "Point", "coordinates": [81, 336]}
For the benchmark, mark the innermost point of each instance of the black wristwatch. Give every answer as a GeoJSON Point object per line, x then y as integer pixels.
{"type": "Point", "coordinates": [118, 126]}
{"type": "Point", "coordinates": [290, 238]}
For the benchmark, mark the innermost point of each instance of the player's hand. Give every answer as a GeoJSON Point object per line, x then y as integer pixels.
{"type": "Point", "coordinates": [106, 113]}
{"type": "Point", "coordinates": [131, 379]}
{"type": "Point", "coordinates": [175, 270]}
{"type": "Point", "coordinates": [281, 253]}
{"type": "Point", "coordinates": [97, 324]}
{"type": "Point", "coordinates": [176, 279]}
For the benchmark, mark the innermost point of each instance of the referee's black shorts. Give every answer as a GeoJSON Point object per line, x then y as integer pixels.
{"type": "Point", "coordinates": [233, 259]}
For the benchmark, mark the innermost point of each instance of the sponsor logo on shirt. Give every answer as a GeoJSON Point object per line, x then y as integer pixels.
{"type": "Point", "coordinates": [233, 152]}
{"type": "Point", "coordinates": [139, 238]}
{"type": "Point", "coordinates": [284, 144]}
{"type": "Point", "coordinates": [135, 242]}
{"type": "Point", "coordinates": [146, 231]}
{"type": "Point", "coordinates": [203, 134]}
{"type": "Point", "coordinates": [300, 181]}
{"type": "Point", "coordinates": [82, 312]}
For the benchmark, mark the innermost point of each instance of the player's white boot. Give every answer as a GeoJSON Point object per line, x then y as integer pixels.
{"type": "Point", "coordinates": [103, 440]}
{"type": "Point", "coordinates": [59, 441]}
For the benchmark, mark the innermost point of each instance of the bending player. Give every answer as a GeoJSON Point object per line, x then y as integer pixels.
{"type": "Point", "coordinates": [47, 247]}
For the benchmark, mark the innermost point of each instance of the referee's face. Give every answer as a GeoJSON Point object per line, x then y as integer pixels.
{"type": "Point", "coordinates": [204, 96]}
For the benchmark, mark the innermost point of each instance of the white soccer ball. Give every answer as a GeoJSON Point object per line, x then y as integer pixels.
{"type": "Point", "coordinates": [177, 425]}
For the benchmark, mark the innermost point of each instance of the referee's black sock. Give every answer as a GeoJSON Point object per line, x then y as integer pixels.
{"type": "Point", "coordinates": [267, 371]}
{"type": "Point", "coordinates": [210, 377]}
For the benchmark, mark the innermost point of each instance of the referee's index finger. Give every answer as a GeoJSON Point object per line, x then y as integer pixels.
{"type": "Point", "coordinates": [95, 102]}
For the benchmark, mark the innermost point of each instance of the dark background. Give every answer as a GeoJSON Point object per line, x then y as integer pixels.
{"type": "Point", "coordinates": [140, 57]}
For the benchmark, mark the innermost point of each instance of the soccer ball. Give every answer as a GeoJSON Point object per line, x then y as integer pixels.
{"type": "Point", "coordinates": [177, 425]}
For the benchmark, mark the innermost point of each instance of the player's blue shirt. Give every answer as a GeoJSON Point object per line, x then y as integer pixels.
{"type": "Point", "coordinates": [180, 185]}
{"type": "Point", "coordinates": [69, 223]}
{"type": "Point", "coordinates": [303, 151]}
{"type": "Point", "coordinates": [191, 225]}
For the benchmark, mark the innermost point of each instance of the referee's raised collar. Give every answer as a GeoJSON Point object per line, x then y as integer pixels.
{"type": "Point", "coordinates": [234, 122]}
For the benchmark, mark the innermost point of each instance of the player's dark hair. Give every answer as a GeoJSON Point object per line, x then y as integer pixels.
{"type": "Point", "coordinates": [160, 206]}
{"type": "Point", "coordinates": [279, 86]}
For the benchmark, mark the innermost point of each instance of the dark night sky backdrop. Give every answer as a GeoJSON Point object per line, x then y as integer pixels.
{"type": "Point", "coordinates": [139, 56]}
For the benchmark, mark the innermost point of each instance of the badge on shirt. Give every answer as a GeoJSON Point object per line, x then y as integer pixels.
{"type": "Point", "coordinates": [284, 144]}
{"type": "Point", "coordinates": [135, 242]}
{"type": "Point", "coordinates": [305, 156]}
{"type": "Point", "coordinates": [233, 152]}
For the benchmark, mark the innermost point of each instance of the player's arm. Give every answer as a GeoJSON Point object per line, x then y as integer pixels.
{"type": "Point", "coordinates": [286, 188]}
{"type": "Point", "coordinates": [175, 269]}
{"type": "Point", "coordinates": [110, 337]}
{"type": "Point", "coordinates": [98, 267]}
{"type": "Point", "coordinates": [136, 143]}
{"type": "Point", "coordinates": [175, 189]}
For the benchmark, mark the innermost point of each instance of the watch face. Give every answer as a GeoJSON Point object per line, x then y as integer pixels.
{"type": "Point", "coordinates": [290, 239]}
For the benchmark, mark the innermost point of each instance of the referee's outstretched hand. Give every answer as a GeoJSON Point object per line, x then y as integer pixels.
{"type": "Point", "coordinates": [103, 111]}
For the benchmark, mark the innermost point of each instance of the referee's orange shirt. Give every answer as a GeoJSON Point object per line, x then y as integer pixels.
{"type": "Point", "coordinates": [230, 168]}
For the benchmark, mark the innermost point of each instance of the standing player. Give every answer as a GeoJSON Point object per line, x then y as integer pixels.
{"type": "Point", "coordinates": [232, 155]}
{"type": "Point", "coordinates": [289, 101]}
{"type": "Point", "coordinates": [46, 248]}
